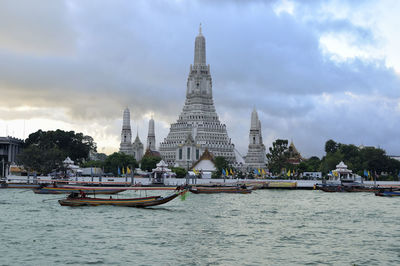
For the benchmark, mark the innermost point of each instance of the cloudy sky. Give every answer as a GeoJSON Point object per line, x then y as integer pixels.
{"type": "Point", "coordinates": [315, 70]}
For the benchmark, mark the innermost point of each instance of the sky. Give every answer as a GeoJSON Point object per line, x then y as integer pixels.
{"type": "Point", "coordinates": [315, 70]}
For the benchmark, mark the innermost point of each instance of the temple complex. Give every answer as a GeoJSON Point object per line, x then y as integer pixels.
{"type": "Point", "coordinates": [256, 155]}
{"type": "Point", "coordinates": [198, 126]}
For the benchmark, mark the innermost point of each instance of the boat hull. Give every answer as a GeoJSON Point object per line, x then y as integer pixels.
{"type": "Point", "coordinates": [212, 190]}
{"type": "Point", "coordinates": [388, 193]}
{"type": "Point", "coordinates": [134, 202]}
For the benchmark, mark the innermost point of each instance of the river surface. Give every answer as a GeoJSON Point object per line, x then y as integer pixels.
{"type": "Point", "coordinates": [267, 227]}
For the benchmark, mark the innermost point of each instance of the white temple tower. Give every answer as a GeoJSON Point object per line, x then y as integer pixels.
{"type": "Point", "coordinates": [151, 136]}
{"type": "Point", "coordinates": [137, 147]}
{"type": "Point", "coordinates": [126, 134]}
{"type": "Point", "coordinates": [256, 155]}
{"type": "Point", "coordinates": [198, 126]}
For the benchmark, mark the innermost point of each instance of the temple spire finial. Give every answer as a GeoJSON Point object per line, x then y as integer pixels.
{"type": "Point", "coordinates": [200, 29]}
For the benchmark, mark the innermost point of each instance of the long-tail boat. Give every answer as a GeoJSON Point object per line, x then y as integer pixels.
{"type": "Point", "coordinates": [67, 190]}
{"type": "Point", "coordinates": [210, 190]}
{"type": "Point", "coordinates": [74, 201]}
{"type": "Point", "coordinates": [388, 192]}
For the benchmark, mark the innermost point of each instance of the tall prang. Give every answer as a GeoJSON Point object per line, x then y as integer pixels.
{"type": "Point", "coordinates": [151, 136]}
{"type": "Point", "coordinates": [256, 156]}
{"type": "Point", "coordinates": [198, 126]}
{"type": "Point", "coordinates": [126, 134]}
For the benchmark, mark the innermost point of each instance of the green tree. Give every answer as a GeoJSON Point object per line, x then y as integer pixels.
{"type": "Point", "coordinates": [331, 146]}
{"type": "Point", "coordinates": [179, 171]}
{"type": "Point", "coordinates": [98, 164]}
{"type": "Point", "coordinates": [41, 161]}
{"type": "Point", "coordinates": [278, 155]}
{"type": "Point", "coordinates": [75, 145]}
{"type": "Point", "coordinates": [330, 161]}
{"type": "Point", "coordinates": [149, 162]}
{"type": "Point", "coordinates": [220, 163]}
{"type": "Point", "coordinates": [119, 160]}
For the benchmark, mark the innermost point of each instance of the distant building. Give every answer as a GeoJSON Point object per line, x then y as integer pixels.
{"type": "Point", "coordinates": [198, 126]}
{"type": "Point", "coordinates": [151, 136]}
{"type": "Point", "coordinates": [311, 175]}
{"type": "Point", "coordinates": [294, 156]}
{"type": "Point", "coordinates": [126, 134]}
{"type": "Point", "coordinates": [395, 157]}
{"type": "Point", "coordinates": [256, 155]}
{"type": "Point", "coordinates": [205, 163]}
{"type": "Point", "coordinates": [134, 149]}
{"type": "Point", "coordinates": [152, 153]}
{"type": "Point", "coordinates": [9, 149]}
{"type": "Point", "coordinates": [137, 147]}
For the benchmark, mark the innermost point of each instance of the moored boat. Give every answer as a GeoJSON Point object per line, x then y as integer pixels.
{"type": "Point", "coordinates": [210, 190]}
{"type": "Point", "coordinates": [66, 190]}
{"type": "Point", "coordinates": [74, 201]}
{"type": "Point", "coordinates": [388, 192]}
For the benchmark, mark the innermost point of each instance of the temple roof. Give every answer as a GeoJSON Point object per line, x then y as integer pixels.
{"type": "Point", "coordinates": [207, 155]}
{"type": "Point", "coordinates": [152, 153]}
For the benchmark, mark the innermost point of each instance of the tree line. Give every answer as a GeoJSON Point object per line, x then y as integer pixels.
{"type": "Point", "coordinates": [358, 159]}
{"type": "Point", "coordinates": [44, 152]}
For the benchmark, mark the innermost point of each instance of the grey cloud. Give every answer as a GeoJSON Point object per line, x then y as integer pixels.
{"type": "Point", "coordinates": [36, 27]}
{"type": "Point", "coordinates": [137, 54]}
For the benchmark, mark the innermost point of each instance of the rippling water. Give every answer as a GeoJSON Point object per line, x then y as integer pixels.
{"type": "Point", "coordinates": [263, 228]}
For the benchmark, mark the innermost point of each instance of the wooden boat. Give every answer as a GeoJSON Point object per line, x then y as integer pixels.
{"type": "Point", "coordinates": [130, 202]}
{"type": "Point", "coordinates": [361, 189]}
{"type": "Point", "coordinates": [209, 190]}
{"type": "Point", "coordinates": [330, 188]}
{"type": "Point", "coordinates": [347, 187]}
{"type": "Point", "coordinates": [388, 193]}
{"type": "Point", "coordinates": [67, 190]}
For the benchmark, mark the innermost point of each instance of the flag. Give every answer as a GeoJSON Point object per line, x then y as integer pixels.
{"type": "Point", "coordinates": [330, 172]}
{"type": "Point", "coordinates": [288, 173]}
{"type": "Point", "coordinates": [183, 196]}
{"type": "Point", "coordinates": [223, 172]}
{"type": "Point", "coordinates": [123, 170]}
{"type": "Point", "coordinates": [263, 171]}
{"type": "Point", "coordinates": [231, 172]}
{"type": "Point", "coordinates": [195, 172]}
{"type": "Point", "coordinates": [119, 171]}
{"type": "Point", "coordinates": [255, 171]}
{"type": "Point", "coordinates": [128, 171]}
{"type": "Point", "coordinates": [259, 172]}
{"type": "Point", "coordinates": [227, 172]}
{"type": "Point", "coordinates": [366, 173]}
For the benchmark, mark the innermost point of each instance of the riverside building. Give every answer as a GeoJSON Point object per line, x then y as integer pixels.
{"type": "Point", "coordinates": [9, 149]}
{"type": "Point", "coordinates": [198, 126]}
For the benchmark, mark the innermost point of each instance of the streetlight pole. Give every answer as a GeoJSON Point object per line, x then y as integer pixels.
{"type": "Point", "coordinates": [3, 172]}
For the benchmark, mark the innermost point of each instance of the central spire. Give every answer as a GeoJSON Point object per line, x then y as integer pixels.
{"type": "Point", "coordinates": [200, 49]}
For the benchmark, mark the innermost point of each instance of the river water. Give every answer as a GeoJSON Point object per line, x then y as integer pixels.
{"type": "Point", "coordinates": [267, 227]}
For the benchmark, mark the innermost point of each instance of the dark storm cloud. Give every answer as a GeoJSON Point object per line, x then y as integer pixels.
{"type": "Point", "coordinates": [100, 56]}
